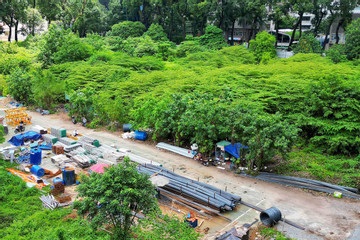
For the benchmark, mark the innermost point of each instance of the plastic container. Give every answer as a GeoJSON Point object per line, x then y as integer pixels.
{"type": "Point", "coordinates": [126, 127]}
{"type": "Point", "coordinates": [35, 156]}
{"type": "Point", "coordinates": [270, 216]}
{"type": "Point", "coordinates": [57, 180]}
{"type": "Point", "coordinates": [37, 170]}
{"type": "Point", "coordinates": [68, 175]}
{"type": "Point", "coordinates": [139, 135]}
{"type": "Point", "coordinates": [96, 143]}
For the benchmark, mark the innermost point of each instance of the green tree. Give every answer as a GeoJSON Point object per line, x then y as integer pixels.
{"type": "Point", "coordinates": [336, 53]}
{"type": "Point", "coordinates": [115, 196]}
{"type": "Point", "coordinates": [11, 13]}
{"type": "Point", "coordinates": [127, 29]}
{"type": "Point", "coordinates": [47, 90]}
{"type": "Point", "coordinates": [165, 227]}
{"type": "Point", "coordinates": [72, 49]}
{"type": "Point", "coordinates": [156, 33]}
{"type": "Point", "coordinates": [352, 45]}
{"type": "Point", "coordinates": [20, 86]}
{"type": "Point", "coordinates": [308, 44]}
{"type": "Point", "coordinates": [263, 46]}
{"type": "Point", "coordinates": [32, 23]}
{"type": "Point", "coordinates": [50, 43]}
{"type": "Point", "coordinates": [264, 134]}
{"type": "Point", "coordinates": [50, 9]}
{"type": "Point", "coordinates": [213, 38]}
{"type": "Point", "coordinates": [92, 20]}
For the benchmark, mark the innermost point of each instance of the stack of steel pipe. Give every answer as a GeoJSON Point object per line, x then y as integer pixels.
{"type": "Point", "coordinates": [199, 192]}
{"type": "Point", "coordinates": [308, 184]}
{"type": "Point", "coordinates": [181, 151]}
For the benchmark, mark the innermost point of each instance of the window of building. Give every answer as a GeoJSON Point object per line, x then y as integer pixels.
{"type": "Point", "coordinates": [306, 18]}
{"type": "Point", "coordinates": [306, 27]}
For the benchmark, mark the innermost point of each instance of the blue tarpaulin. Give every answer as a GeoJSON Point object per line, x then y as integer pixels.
{"type": "Point", "coordinates": [18, 140]}
{"type": "Point", "coordinates": [235, 149]}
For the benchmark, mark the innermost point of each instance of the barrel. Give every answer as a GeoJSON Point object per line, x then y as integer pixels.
{"type": "Point", "coordinates": [139, 135]}
{"type": "Point", "coordinates": [57, 180]}
{"type": "Point", "coordinates": [126, 127]}
{"type": "Point", "coordinates": [68, 175]}
{"type": "Point", "coordinates": [6, 130]}
{"type": "Point", "coordinates": [37, 170]}
{"type": "Point", "coordinates": [270, 216]}
{"type": "Point", "coordinates": [35, 156]}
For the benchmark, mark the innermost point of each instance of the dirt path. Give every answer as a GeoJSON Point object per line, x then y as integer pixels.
{"type": "Point", "coordinates": [323, 216]}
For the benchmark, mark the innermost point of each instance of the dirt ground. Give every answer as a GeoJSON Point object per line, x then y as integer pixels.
{"type": "Point", "coordinates": [324, 217]}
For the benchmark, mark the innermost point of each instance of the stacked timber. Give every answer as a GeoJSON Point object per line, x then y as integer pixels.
{"type": "Point", "coordinates": [38, 129]}
{"type": "Point", "coordinates": [199, 192]}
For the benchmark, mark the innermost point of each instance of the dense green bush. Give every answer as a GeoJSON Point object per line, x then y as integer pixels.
{"type": "Point", "coordinates": [127, 29]}
{"type": "Point", "coordinates": [263, 47]}
{"type": "Point", "coordinates": [336, 53]}
{"type": "Point", "coordinates": [307, 44]}
{"type": "Point", "coordinates": [352, 45]}
{"type": "Point", "coordinates": [156, 33]}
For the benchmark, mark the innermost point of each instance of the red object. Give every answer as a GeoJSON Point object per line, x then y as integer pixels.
{"type": "Point", "coordinates": [99, 168]}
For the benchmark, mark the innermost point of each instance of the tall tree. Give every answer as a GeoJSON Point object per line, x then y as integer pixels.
{"type": "Point", "coordinates": [50, 9]}
{"type": "Point", "coordinates": [345, 11]}
{"type": "Point", "coordinates": [115, 197]}
{"type": "Point", "coordinates": [256, 14]}
{"type": "Point", "coordinates": [300, 7]}
{"type": "Point", "coordinates": [32, 22]}
{"type": "Point", "coordinates": [11, 13]}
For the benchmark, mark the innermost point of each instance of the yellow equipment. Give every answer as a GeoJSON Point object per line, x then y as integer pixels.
{"type": "Point", "coordinates": [14, 116]}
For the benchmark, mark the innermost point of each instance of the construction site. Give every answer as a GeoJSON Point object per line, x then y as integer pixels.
{"type": "Point", "coordinates": [216, 202]}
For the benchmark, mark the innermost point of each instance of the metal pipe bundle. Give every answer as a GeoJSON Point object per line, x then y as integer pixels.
{"type": "Point", "coordinates": [308, 184]}
{"type": "Point", "coordinates": [203, 193]}
{"type": "Point", "coordinates": [181, 151]}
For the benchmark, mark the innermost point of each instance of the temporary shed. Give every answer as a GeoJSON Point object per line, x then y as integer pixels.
{"type": "Point", "coordinates": [235, 149]}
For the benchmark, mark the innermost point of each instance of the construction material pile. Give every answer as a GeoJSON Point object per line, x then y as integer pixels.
{"type": "Point", "coordinates": [308, 184]}
{"type": "Point", "coordinates": [199, 192]}
{"type": "Point", "coordinates": [181, 151]}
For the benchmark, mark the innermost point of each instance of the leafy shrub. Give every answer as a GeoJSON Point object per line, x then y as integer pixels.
{"type": "Point", "coordinates": [352, 45]}
{"type": "Point", "coordinates": [263, 47]}
{"type": "Point", "coordinates": [213, 38]}
{"type": "Point", "coordinates": [307, 44]}
{"type": "Point", "coordinates": [156, 33]}
{"type": "Point", "coordinates": [72, 49]}
{"type": "Point", "coordinates": [19, 83]}
{"type": "Point", "coordinates": [189, 47]}
{"type": "Point", "coordinates": [336, 53]}
{"type": "Point", "coordinates": [127, 29]}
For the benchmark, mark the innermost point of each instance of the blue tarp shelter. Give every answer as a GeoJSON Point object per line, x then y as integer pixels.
{"type": "Point", "coordinates": [18, 140]}
{"type": "Point", "coordinates": [235, 149]}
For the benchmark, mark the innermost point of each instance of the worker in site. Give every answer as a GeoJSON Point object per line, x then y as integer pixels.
{"type": "Point", "coordinates": [75, 133]}
{"type": "Point", "coordinates": [84, 121]}
{"type": "Point", "coordinates": [21, 125]}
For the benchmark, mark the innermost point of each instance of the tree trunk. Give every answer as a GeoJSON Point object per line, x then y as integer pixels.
{"type": "Point", "coordinates": [34, 4]}
{"type": "Point", "coordinates": [16, 30]}
{"type": "Point", "coordinates": [10, 28]}
{"type": "Point", "coordinates": [251, 32]}
{"type": "Point", "coordinates": [184, 27]}
{"type": "Point", "coordinates": [232, 33]}
{"type": "Point", "coordinates": [337, 31]}
{"type": "Point", "coordinates": [277, 33]}
{"type": "Point", "coordinates": [327, 35]}
{"type": "Point", "coordinates": [300, 26]}
{"type": "Point", "coordinates": [318, 24]}
{"type": "Point", "coordinates": [293, 33]}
